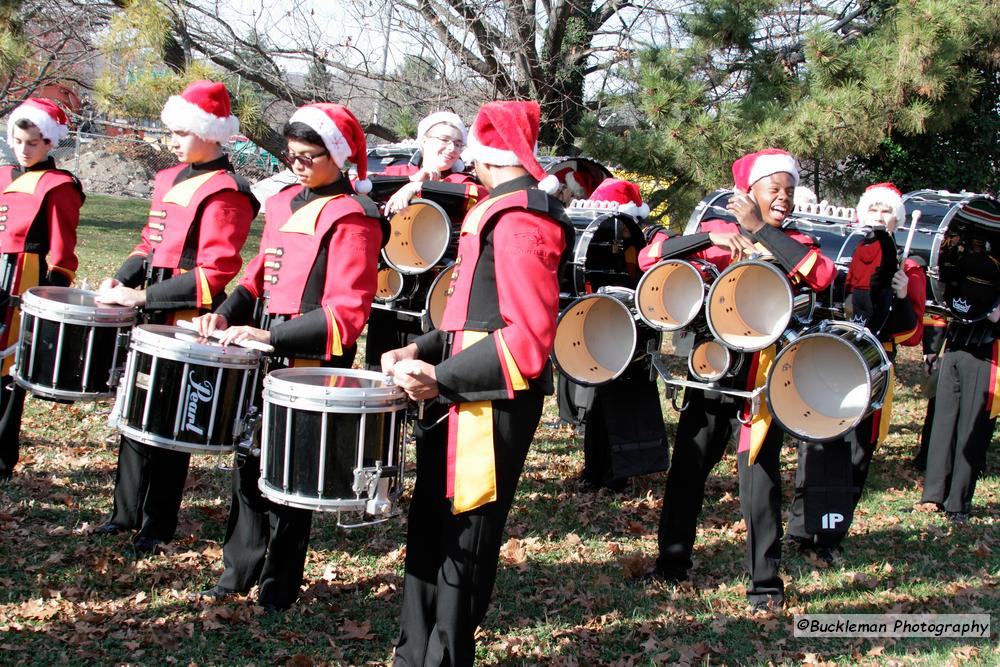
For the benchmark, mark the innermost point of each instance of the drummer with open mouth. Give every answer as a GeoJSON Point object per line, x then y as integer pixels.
{"type": "Point", "coordinates": [189, 251]}
{"type": "Point", "coordinates": [765, 185]}
{"type": "Point", "coordinates": [39, 212]}
{"type": "Point", "coordinates": [308, 293]}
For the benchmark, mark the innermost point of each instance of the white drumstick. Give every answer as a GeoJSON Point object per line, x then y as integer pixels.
{"type": "Point", "coordinates": [914, 219]}
{"type": "Point", "coordinates": [217, 335]}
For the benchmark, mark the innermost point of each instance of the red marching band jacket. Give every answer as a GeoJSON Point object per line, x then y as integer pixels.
{"type": "Point", "coordinates": [502, 307]}
{"type": "Point", "coordinates": [317, 267]}
{"type": "Point", "coordinates": [197, 225]}
{"type": "Point", "coordinates": [796, 253]}
{"type": "Point", "coordinates": [39, 213]}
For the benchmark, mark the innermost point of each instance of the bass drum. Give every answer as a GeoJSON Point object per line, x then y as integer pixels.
{"type": "Point", "coordinates": [605, 253]}
{"type": "Point", "coordinates": [821, 385]}
{"type": "Point", "coordinates": [965, 259]}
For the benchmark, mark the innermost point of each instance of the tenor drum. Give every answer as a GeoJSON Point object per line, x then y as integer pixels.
{"type": "Point", "coordinates": [437, 297]}
{"type": "Point", "coordinates": [752, 303]}
{"type": "Point", "coordinates": [671, 295]}
{"type": "Point", "coordinates": [420, 236]}
{"type": "Point", "coordinates": [826, 381]}
{"type": "Point", "coordinates": [332, 440]}
{"type": "Point", "coordinates": [965, 259]}
{"type": "Point", "coordinates": [183, 393]}
{"type": "Point", "coordinates": [70, 347]}
{"type": "Point", "coordinates": [605, 252]}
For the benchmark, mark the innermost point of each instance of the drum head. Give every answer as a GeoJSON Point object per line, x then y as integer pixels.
{"type": "Point", "coordinates": [670, 295]}
{"type": "Point", "coordinates": [709, 361]}
{"type": "Point", "coordinates": [420, 236]}
{"type": "Point", "coordinates": [390, 284]}
{"type": "Point", "coordinates": [168, 342]}
{"type": "Point", "coordinates": [333, 390]}
{"type": "Point", "coordinates": [749, 306]}
{"type": "Point", "coordinates": [68, 304]}
{"type": "Point", "coordinates": [595, 339]}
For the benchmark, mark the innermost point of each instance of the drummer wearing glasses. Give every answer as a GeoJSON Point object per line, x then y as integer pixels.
{"type": "Point", "coordinates": [39, 212]}
{"type": "Point", "coordinates": [307, 293]}
{"type": "Point", "coordinates": [189, 251]}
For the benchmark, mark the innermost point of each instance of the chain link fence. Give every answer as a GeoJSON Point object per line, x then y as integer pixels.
{"type": "Point", "coordinates": [121, 160]}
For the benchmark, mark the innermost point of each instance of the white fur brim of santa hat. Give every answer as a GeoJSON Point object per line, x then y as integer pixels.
{"type": "Point", "coordinates": [318, 117]}
{"type": "Point", "coordinates": [39, 113]}
{"type": "Point", "coordinates": [445, 118]}
{"type": "Point", "coordinates": [754, 166]}
{"type": "Point", "coordinates": [882, 193]}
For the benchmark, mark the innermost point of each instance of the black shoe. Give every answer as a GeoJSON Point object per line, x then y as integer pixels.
{"type": "Point", "coordinates": [108, 529]}
{"type": "Point", "coordinates": [772, 605]}
{"type": "Point", "coordinates": [147, 546]}
{"type": "Point", "coordinates": [216, 593]}
{"type": "Point", "coordinates": [665, 576]}
{"type": "Point", "coordinates": [822, 554]}
{"type": "Point", "coordinates": [273, 609]}
{"type": "Point", "coordinates": [957, 518]}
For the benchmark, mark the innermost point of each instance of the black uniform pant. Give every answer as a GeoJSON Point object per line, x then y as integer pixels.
{"type": "Point", "coordinates": [265, 543]}
{"type": "Point", "coordinates": [451, 559]}
{"type": "Point", "coordinates": [11, 409]}
{"type": "Point", "coordinates": [962, 428]}
{"type": "Point", "coordinates": [829, 480]}
{"type": "Point", "coordinates": [705, 428]}
{"type": "Point", "coordinates": [149, 485]}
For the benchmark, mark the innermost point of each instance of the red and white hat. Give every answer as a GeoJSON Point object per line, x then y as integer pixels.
{"type": "Point", "coordinates": [882, 193]}
{"type": "Point", "coordinates": [44, 114]}
{"type": "Point", "coordinates": [202, 109]}
{"type": "Point", "coordinates": [754, 166]}
{"type": "Point", "coordinates": [579, 182]}
{"type": "Point", "coordinates": [505, 134]}
{"type": "Point", "coordinates": [341, 134]}
{"type": "Point", "coordinates": [625, 193]}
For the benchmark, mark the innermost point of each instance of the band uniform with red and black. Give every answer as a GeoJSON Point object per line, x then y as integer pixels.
{"type": "Point", "coordinates": [830, 477]}
{"type": "Point", "coordinates": [311, 286]}
{"type": "Point", "coordinates": [388, 329]}
{"type": "Point", "coordinates": [493, 371]}
{"type": "Point", "coordinates": [39, 213]}
{"type": "Point", "coordinates": [710, 420]}
{"type": "Point", "coordinates": [188, 252]}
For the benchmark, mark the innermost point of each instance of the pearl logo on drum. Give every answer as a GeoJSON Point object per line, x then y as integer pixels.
{"type": "Point", "coordinates": [198, 392]}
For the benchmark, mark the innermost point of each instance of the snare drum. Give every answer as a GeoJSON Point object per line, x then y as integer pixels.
{"type": "Point", "coordinates": [332, 440]}
{"type": "Point", "coordinates": [70, 347]}
{"type": "Point", "coordinates": [183, 393]}
{"type": "Point", "coordinates": [605, 253]}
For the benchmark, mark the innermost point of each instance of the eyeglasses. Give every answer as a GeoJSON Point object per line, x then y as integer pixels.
{"type": "Point", "coordinates": [304, 159]}
{"type": "Point", "coordinates": [457, 144]}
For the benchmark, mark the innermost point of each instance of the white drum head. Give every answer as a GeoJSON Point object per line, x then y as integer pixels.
{"type": "Point", "coordinates": [709, 360]}
{"type": "Point", "coordinates": [419, 237]}
{"type": "Point", "coordinates": [670, 295]}
{"type": "Point", "coordinates": [749, 306]}
{"type": "Point", "coordinates": [595, 339]}
{"type": "Point", "coordinates": [390, 284]}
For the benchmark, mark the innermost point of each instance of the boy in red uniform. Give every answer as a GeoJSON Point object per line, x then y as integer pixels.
{"type": "Point", "coordinates": [843, 464]}
{"type": "Point", "coordinates": [39, 212]}
{"type": "Point", "coordinates": [189, 251]}
{"type": "Point", "coordinates": [311, 305]}
{"type": "Point", "coordinates": [765, 185]}
{"type": "Point", "coordinates": [488, 366]}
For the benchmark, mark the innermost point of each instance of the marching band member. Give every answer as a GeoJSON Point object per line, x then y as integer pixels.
{"type": "Point", "coordinates": [765, 184]}
{"type": "Point", "coordinates": [625, 413]}
{"type": "Point", "coordinates": [967, 399]}
{"type": "Point", "coordinates": [189, 251]}
{"type": "Point", "coordinates": [441, 137]}
{"type": "Point", "coordinates": [307, 293]}
{"type": "Point", "coordinates": [489, 367]}
{"type": "Point", "coordinates": [844, 463]}
{"type": "Point", "coordinates": [39, 212]}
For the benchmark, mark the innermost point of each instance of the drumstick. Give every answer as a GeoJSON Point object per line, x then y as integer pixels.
{"type": "Point", "coordinates": [914, 219]}
{"type": "Point", "coordinates": [217, 335]}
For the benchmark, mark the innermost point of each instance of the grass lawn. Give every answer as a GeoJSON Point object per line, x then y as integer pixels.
{"type": "Point", "coordinates": [568, 590]}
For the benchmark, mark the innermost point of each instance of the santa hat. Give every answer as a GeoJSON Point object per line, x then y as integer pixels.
{"type": "Point", "coordinates": [882, 193]}
{"type": "Point", "coordinates": [341, 134]}
{"type": "Point", "coordinates": [754, 166]}
{"type": "Point", "coordinates": [202, 109]}
{"type": "Point", "coordinates": [580, 183]}
{"type": "Point", "coordinates": [447, 118]}
{"type": "Point", "coordinates": [46, 115]}
{"type": "Point", "coordinates": [625, 193]}
{"type": "Point", "coordinates": [505, 134]}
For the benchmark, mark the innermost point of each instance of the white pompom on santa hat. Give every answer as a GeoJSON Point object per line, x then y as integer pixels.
{"type": "Point", "coordinates": [882, 193]}
{"type": "Point", "coordinates": [754, 166]}
{"type": "Point", "coordinates": [505, 134]}
{"type": "Point", "coordinates": [203, 109]}
{"type": "Point", "coordinates": [44, 114]}
{"type": "Point", "coordinates": [446, 118]}
{"type": "Point", "coordinates": [342, 135]}
{"type": "Point", "coordinates": [625, 193]}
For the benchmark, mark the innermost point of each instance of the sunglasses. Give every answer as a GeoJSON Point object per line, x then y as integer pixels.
{"type": "Point", "coordinates": [304, 159]}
